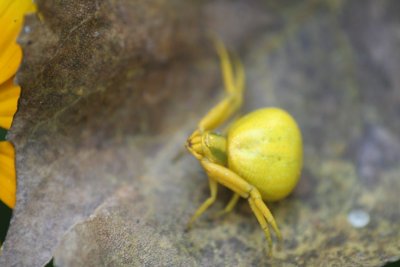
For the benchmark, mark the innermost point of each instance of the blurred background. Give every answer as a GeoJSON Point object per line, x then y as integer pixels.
{"type": "Point", "coordinates": [111, 91]}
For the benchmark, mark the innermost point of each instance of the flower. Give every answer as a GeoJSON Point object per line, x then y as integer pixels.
{"type": "Point", "coordinates": [11, 18]}
{"type": "Point", "coordinates": [7, 174]}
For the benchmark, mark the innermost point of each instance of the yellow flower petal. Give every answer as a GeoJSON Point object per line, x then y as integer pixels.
{"type": "Point", "coordinates": [8, 184]}
{"type": "Point", "coordinates": [9, 61]}
{"type": "Point", "coordinates": [9, 94]}
{"type": "Point", "coordinates": [11, 20]}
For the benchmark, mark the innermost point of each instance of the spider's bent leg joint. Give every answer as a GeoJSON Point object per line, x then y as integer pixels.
{"type": "Point", "coordinates": [254, 193]}
{"type": "Point", "coordinates": [234, 79]}
{"type": "Point", "coordinates": [221, 112]}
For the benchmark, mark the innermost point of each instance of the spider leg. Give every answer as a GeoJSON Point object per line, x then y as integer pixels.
{"type": "Point", "coordinates": [230, 206]}
{"type": "Point", "coordinates": [240, 75]}
{"type": "Point", "coordinates": [263, 223]}
{"type": "Point", "coordinates": [259, 203]}
{"type": "Point", "coordinates": [234, 86]}
{"type": "Point", "coordinates": [206, 204]}
{"type": "Point", "coordinates": [241, 187]}
{"type": "Point", "coordinates": [232, 203]}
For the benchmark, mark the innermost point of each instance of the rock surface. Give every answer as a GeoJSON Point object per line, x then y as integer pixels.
{"type": "Point", "coordinates": [112, 89]}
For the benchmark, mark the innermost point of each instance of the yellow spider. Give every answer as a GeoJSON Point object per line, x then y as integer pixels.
{"type": "Point", "coordinates": [259, 159]}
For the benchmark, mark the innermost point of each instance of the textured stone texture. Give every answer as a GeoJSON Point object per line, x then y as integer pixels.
{"type": "Point", "coordinates": [111, 89]}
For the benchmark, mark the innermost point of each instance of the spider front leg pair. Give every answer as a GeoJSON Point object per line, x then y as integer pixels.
{"type": "Point", "coordinates": [218, 154]}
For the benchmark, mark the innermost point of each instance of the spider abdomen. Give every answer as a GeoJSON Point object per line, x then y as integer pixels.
{"type": "Point", "coordinates": [265, 148]}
